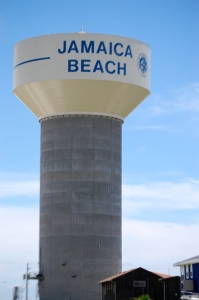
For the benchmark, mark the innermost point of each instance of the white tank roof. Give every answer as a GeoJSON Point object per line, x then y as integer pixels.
{"type": "Point", "coordinates": [189, 261]}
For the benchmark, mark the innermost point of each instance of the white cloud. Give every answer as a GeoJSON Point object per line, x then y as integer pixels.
{"type": "Point", "coordinates": [185, 99]}
{"type": "Point", "coordinates": [171, 173]}
{"type": "Point", "coordinates": [12, 185]}
{"type": "Point", "coordinates": [155, 246]}
{"type": "Point", "coordinates": [160, 195]}
{"type": "Point", "coordinates": [152, 245]}
{"type": "Point", "coordinates": [155, 112]}
{"type": "Point", "coordinates": [19, 232]}
{"type": "Point", "coordinates": [149, 127]}
{"type": "Point", "coordinates": [19, 228]}
{"type": "Point", "coordinates": [158, 245]}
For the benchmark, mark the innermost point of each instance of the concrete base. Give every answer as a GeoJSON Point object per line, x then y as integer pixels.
{"type": "Point", "coordinates": [80, 206]}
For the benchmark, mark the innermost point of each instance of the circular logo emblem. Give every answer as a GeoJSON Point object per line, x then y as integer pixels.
{"type": "Point", "coordinates": [142, 64]}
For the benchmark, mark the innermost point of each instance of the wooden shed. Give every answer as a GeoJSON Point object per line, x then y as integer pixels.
{"type": "Point", "coordinates": [137, 282]}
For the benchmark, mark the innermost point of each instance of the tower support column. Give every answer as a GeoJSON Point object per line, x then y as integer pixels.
{"type": "Point", "coordinates": [80, 205]}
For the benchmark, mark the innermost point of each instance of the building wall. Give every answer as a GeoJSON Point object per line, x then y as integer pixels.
{"type": "Point", "coordinates": [80, 206]}
{"type": "Point", "coordinates": [172, 288]}
{"type": "Point", "coordinates": [196, 277]}
{"type": "Point", "coordinates": [186, 285]}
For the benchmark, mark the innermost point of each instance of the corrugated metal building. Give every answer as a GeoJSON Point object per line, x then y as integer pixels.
{"type": "Point", "coordinates": [136, 282]}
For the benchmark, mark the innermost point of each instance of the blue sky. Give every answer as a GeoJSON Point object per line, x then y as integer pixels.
{"type": "Point", "coordinates": [160, 138]}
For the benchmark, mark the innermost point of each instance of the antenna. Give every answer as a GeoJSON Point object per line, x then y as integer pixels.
{"type": "Point", "coordinates": [82, 31]}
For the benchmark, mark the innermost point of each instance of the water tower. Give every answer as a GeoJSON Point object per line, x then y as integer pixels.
{"type": "Point", "coordinates": [81, 87]}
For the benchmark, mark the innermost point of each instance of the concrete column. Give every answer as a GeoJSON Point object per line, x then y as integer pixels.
{"type": "Point", "coordinates": [80, 206]}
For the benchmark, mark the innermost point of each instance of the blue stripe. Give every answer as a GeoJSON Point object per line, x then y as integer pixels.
{"type": "Point", "coordinates": [28, 61]}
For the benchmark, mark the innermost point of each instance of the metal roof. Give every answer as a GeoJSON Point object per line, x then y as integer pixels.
{"type": "Point", "coordinates": [115, 276]}
{"type": "Point", "coordinates": [189, 261]}
{"type": "Point", "coordinates": [128, 271]}
{"type": "Point", "coordinates": [161, 275]}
